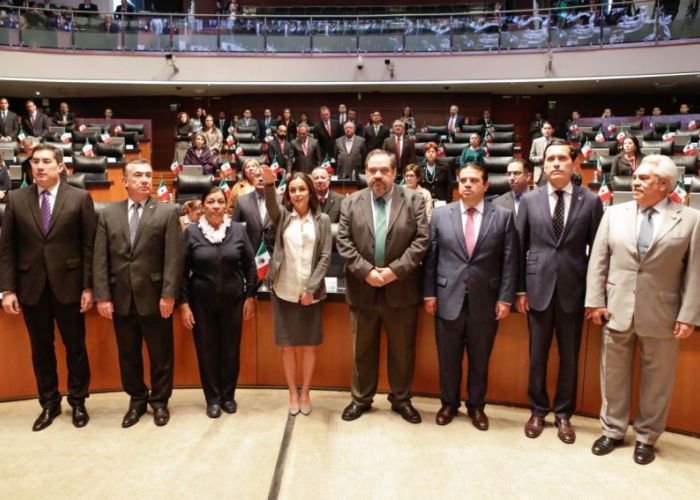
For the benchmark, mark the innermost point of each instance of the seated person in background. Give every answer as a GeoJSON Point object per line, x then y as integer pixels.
{"type": "Point", "coordinates": [245, 185]}
{"type": "Point", "coordinates": [123, 8]}
{"type": "Point", "coordinates": [328, 200]}
{"type": "Point", "coordinates": [684, 109]}
{"type": "Point", "coordinates": [87, 6]}
{"type": "Point", "coordinates": [628, 160]}
{"type": "Point", "coordinates": [199, 154]}
{"type": "Point", "coordinates": [64, 118]}
{"type": "Point", "coordinates": [641, 111]}
{"type": "Point", "coordinates": [191, 212]}
{"type": "Point", "coordinates": [474, 153]}
{"type": "Point", "coordinates": [656, 111]}
{"type": "Point", "coordinates": [5, 182]}
{"type": "Point", "coordinates": [110, 26]}
{"type": "Point", "coordinates": [436, 178]}
{"type": "Point", "coordinates": [607, 113]}
{"type": "Point", "coordinates": [539, 144]}
{"type": "Point", "coordinates": [411, 175]}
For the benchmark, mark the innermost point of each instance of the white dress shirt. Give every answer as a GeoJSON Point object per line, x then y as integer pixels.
{"type": "Point", "coordinates": [568, 193]}
{"type": "Point", "coordinates": [299, 241]}
{"type": "Point", "coordinates": [656, 217]}
{"type": "Point", "coordinates": [131, 209]}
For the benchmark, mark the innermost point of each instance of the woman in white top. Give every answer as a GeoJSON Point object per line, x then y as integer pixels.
{"type": "Point", "coordinates": [411, 176]}
{"type": "Point", "coordinates": [296, 278]}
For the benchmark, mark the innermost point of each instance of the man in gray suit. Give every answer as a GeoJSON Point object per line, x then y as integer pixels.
{"type": "Point", "coordinates": [556, 226]}
{"type": "Point", "coordinates": [9, 126]}
{"type": "Point", "coordinates": [540, 144]}
{"type": "Point", "coordinates": [350, 153]}
{"type": "Point", "coordinates": [383, 236]}
{"type": "Point", "coordinates": [328, 200]}
{"type": "Point", "coordinates": [644, 286]}
{"type": "Point", "coordinates": [251, 209]}
{"type": "Point", "coordinates": [469, 278]}
{"type": "Point", "coordinates": [137, 274]}
{"type": "Point", "coordinates": [519, 178]}
{"type": "Point", "coordinates": [307, 153]}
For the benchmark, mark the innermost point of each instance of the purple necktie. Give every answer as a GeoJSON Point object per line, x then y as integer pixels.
{"type": "Point", "coordinates": [46, 209]}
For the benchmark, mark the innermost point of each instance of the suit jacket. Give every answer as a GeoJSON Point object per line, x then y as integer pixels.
{"type": "Point", "coordinates": [252, 122]}
{"type": "Point", "coordinates": [144, 272]}
{"type": "Point", "coordinates": [663, 287]}
{"type": "Point", "coordinates": [263, 128]}
{"type": "Point", "coordinates": [546, 264]}
{"type": "Point", "coordinates": [408, 151]}
{"type": "Point", "coordinates": [291, 129]}
{"type": "Point", "coordinates": [29, 258]}
{"type": "Point", "coordinates": [537, 150]}
{"type": "Point", "coordinates": [458, 123]}
{"type": "Point", "coordinates": [375, 141]}
{"type": "Point", "coordinates": [489, 274]}
{"type": "Point", "coordinates": [485, 124]}
{"type": "Point", "coordinates": [507, 201]}
{"type": "Point", "coordinates": [306, 163]}
{"type": "Point", "coordinates": [205, 159]}
{"type": "Point", "coordinates": [281, 217]}
{"type": "Point", "coordinates": [85, 7]}
{"type": "Point", "coordinates": [285, 157]}
{"type": "Point", "coordinates": [441, 186]}
{"type": "Point", "coordinates": [332, 206]}
{"type": "Point", "coordinates": [407, 242]}
{"type": "Point", "coordinates": [70, 120]}
{"type": "Point", "coordinates": [40, 127]}
{"type": "Point", "coordinates": [327, 142]}
{"type": "Point", "coordinates": [9, 127]}
{"type": "Point", "coordinates": [258, 230]}
{"type": "Point", "coordinates": [622, 166]}
{"type": "Point", "coordinates": [347, 163]}
{"type": "Point", "coordinates": [223, 125]}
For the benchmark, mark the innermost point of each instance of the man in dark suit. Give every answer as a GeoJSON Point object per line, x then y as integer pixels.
{"type": "Point", "coordinates": [251, 209]}
{"type": "Point", "coordinates": [375, 133]}
{"type": "Point", "coordinates": [519, 178]}
{"type": "Point", "coordinates": [138, 272]}
{"type": "Point", "coordinates": [124, 8]}
{"type": "Point", "coordinates": [454, 121]}
{"type": "Point", "coordinates": [350, 153]}
{"type": "Point", "coordinates": [343, 115]}
{"type": "Point", "coordinates": [249, 121]}
{"type": "Point", "coordinates": [469, 278]}
{"type": "Point", "coordinates": [223, 123]}
{"type": "Point", "coordinates": [268, 123]}
{"type": "Point", "coordinates": [329, 200]}
{"type": "Point", "coordinates": [281, 149]}
{"type": "Point", "coordinates": [383, 237]}
{"type": "Point", "coordinates": [486, 121]}
{"type": "Point", "coordinates": [64, 118]}
{"type": "Point", "coordinates": [401, 146]}
{"type": "Point", "coordinates": [46, 272]}
{"type": "Point", "coordinates": [35, 123]}
{"type": "Point", "coordinates": [359, 129]}
{"type": "Point", "coordinates": [306, 150]}
{"type": "Point", "coordinates": [326, 131]}
{"type": "Point", "coordinates": [9, 126]}
{"type": "Point", "coordinates": [87, 6]}
{"type": "Point", "coordinates": [556, 226]}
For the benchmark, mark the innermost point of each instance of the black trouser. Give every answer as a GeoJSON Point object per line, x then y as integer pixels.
{"type": "Point", "coordinates": [39, 319]}
{"type": "Point", "coordinates": [568, 326]}
{"type": "Point", "coordinates": [452, 337]}
{"type": "Point", "coordinates": [157, 332]}
{"type": "Point", "coordinates": [217, 337]}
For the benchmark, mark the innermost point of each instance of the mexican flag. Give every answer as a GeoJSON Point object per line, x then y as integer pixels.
{"type": "Point", "coordinates": [163, 193]}
{"type": "Point", "coordinates": [175, 167]}
{"type": "Point", "coordinates": [690, 149]}
{"type": "Point", "coordinates": [327, 165]}
{"type": "Point", "coordinates": [486, 153]}
{"type": "Point", "coordinates": [24, 183]}
{"type": "Point", "coordinates": [21, 136]}
{"type": "Point", "coordinates": [226, 169]}
{"type": "Point", "coordinates": [679, 194]}
{"type": "Point", "coordinates": [262, 261]}
{"type": "Point", "coordinates": [82, 128]}
{"type": "Point", "coordinates": [604, 192]}
{"type": "Point", "coordinates": [668, 135]}
{"type": "Point", "coordinates": [106, 138]}
{"type": "Point", "coordinates": [621, 137]}
{"type": "Point", "coordinates": [599, 165]}
{"type": "Point", "coordinates": [87, 149]}
{"type": "Point", "coordinates": [118, 130]}
{"type": "Point", "coordinates": [441, 151]}
{"type": "Point", "coordinates": [225, 188]}
{"type": "Point", "coordinates": [574, 129]}
{"type": "Point", "coordinates": [281, 188]}
{"type": "Point", "coordinates": [612, 128]}
{"type": "Point", "coordinates": [66, 138]}
{"type": "Point", "coordinates": [275, 166]}
{"type": "Point", "coordinates": [239, 151]}
{"type": "Point", "coordinates": [692, 125]}
{"type": "Point", "coordinates": [600, 137]}
{"type": "Point", "coordinates": [230, 140]}
{"type": "Point", "coordinates": [586, 150]}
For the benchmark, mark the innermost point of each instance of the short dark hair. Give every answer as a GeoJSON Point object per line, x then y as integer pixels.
{"type": "Point", "coordinates": [412, 167]}
{"type": "Point", "coordinates": [209, 192]}
{"type": "Point", "coordinates": [526, 168]}
{"type": "Point", "coordinates": [476, 166]}
{"type": "Point", "coordinates": [57, 153]}
{"type": "Point", "coordinates": [313, 197]}
{"type": "Point", "coordinates": [381, 152]}
{"type": "Point", "coordinates": [135, 161]}
{"type": "Point", "coordinates": [560, 142]}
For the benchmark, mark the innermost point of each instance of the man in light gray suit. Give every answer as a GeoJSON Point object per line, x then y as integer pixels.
{"type": "Point", "coordinates": [350, 153]}
{"type": "Point", "coordinates": [644, 284]}
{"type": "Point", "coordinates": [556, 226]}
{"type": "Point", "coordinates": [540, 144]}
{"type": "Point", "coordinates": [469, 278]}
{"type": "Point", "coordinates": [519, 179]}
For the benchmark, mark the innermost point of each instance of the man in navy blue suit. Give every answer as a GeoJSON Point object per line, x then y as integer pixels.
{"type": "Point", "coordinates": [469, 280]}
{"type": "Point", "coordinates": [454, 121]}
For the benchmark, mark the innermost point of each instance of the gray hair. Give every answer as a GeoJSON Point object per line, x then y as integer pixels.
{"type": "Point", "coordinates": [664, 168]}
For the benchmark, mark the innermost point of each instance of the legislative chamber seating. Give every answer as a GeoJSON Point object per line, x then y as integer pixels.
{"type": "Point", "coordinates": [192, 187]}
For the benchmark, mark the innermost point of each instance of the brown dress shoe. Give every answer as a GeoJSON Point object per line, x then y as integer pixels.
{"type": "Point", "coordinates": [534, 426]}
{"type": "Point", "coordinates": [479, 419]}
{"type": "Point", "coordinates": [566, 433]}
{"type": "Point", "coordinates": [445, 415]}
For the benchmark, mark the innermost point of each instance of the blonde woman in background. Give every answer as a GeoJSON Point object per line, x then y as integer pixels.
{"type": "Point", "coordinates": [191, 212]}
{"type": "Point", "coordinates": [245, 185]}
{"type": "Point", "coordinates": [411, 176]}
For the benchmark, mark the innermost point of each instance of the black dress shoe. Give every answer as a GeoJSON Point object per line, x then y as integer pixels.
{"type": "Point", "coordinates": [46, 417]}
{"type": "Point", "coordinates": [354, 410]}
{"type": "Point", "coordinates": [644, 453]}
{"type": "Point", "coordinates": [161, 415]}
{"type": "Point", "coordinates": [479, 419]}
{"type": "Point", "coordinates": [604, 445]}
{"type": "Point", "coordinates": [229, 406]}
{"type": "Point", "coordinates": [445, 415]}
{"type": "Point", "coordinates": [132, 416]}
{"type": "Point", "coordinates": [80, 416]}
{"type": "Point", "coordinates": [213, 411]}
{"type": "Point", "coordinates": [408, 413]}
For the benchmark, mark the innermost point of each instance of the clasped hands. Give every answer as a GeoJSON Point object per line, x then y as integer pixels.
{"type": "Point", "coordinates": [380, 276]}
{"type": "Point", "coordinates": [501, 310]}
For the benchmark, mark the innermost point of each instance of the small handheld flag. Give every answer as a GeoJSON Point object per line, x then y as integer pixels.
{"type": "Point", "coordinates": [690, 149]}
{"type": "Point", "coordinates": [262, 261]}
{"type": "Point", "coordinates": [21, 136]}
{"type": "Point", "coordinates": [327, 165]}
{"type": "Point", "coordinates": [692, 125]}
{"type": "Point", "coordinates": [225, 188]}
{"type": "Point", "coordinates": [226, 169]}
{"type": "Point", "coordinates": [66, 137]}
{"type": "Point", "coordinates": [282, 187]}
{"type": "Point", "coordinates": [604, 192]}
{"type": "Point", "coordinates": [441, 151]}
{"type": "Point", "coordinates": [599, 165]}
{"type": "Point", "coordinates": [230, 140]}
{"type": "Point", "coordinates": [106, 138]}
{"type": "Point", "coordinates": [82, 128]}
{"type": "Point", "coordinates": [163, 193]}
{"type": "Point", "coordinates": [118, 130]}
{"type": "Point", "coordinates": [621, 137]}
{"type": "Point", "coordinates": [175, 167]}
{"type": "Point", "coordinates": [586, 150]}
{"type": "Point", "coordinates": [275, 165]}
{"type": "Point", "coordinates": [600, 137]}
{"type": "Point", "coordinates": [612, 128]}
{"type": "Point", "coordinates": [678, 195]}
{"type": "Point", "coordinates": [87, 149]}
{"type": "Point", "coordinates": [239, 151]}
{"type": "Point", "coordinates": [668, 135]}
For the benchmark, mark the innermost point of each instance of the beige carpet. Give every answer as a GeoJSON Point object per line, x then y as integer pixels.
{"type": "Point", "coordinates": [377, 456]}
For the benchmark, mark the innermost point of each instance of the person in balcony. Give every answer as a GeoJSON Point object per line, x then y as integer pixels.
{"type": "Point", "coordinates": [199, 154]}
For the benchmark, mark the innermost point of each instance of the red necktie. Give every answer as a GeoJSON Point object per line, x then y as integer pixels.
{"type": "Point", "coordinates": [33, 118]}
{"type": "Point", "coordinates": [451, 127]}
{"type": "Point", "coordinates": [469, 237]}
{"type": "Point", "coordinates": [322, 200]}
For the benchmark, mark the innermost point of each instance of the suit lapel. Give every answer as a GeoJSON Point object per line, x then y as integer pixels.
{"type": "Point", "coordinates": [629, 220]}
{"type": "Point", "coordinates": [669, 218]}
{"type": "Point", "coordinates": [543, 203]}
{"type": "Point", "coordinates": [124, 219]}
{"type": "Point", "coordinates": [456, 221]}
{"type": "Point", "coordinates": [60, 199]}
{"type": "Point", "coordinates": [146, 215]}
{"type": "Point", "coordinates": [486, 222]}
{"type": "Point", "coordinates": [574, 209]}
{"type": "Point", "coordinates": [397, 201]}
{"type": "Point", "coordinates": [369, 212]}
{"type": "Point", "coordinates": [34, 207]}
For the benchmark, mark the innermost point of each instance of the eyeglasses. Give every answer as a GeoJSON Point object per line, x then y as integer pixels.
{"type": "Point", "coordinates": [516, 173]}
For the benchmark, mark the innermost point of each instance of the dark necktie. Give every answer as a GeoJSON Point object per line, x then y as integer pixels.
{"type": "Point", "coordinates": [46, 209]}
{"type": "Point", "coordinates": [380, 230]}
{"type": "Point", "coordinates": [646, 232]}
{"type": "Point", "coordinates": [134, 221]}
{"type": "Point", "coordinates": [558, 217]}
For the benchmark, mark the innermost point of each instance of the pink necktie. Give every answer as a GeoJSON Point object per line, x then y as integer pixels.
{"type": "Point", "coordinates": [469, 238]}
{"type": "Point", "coordinates": [398, 150]}
{"type": "Point", "coordinates": [305, 148]}
{"type": "Point", "coordinates": [452, 124]}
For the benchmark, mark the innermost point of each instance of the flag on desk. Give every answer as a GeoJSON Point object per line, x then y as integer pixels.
{"type": "Point", "coordinates": [262, 261]}
{"type": "Point", "coordinates": [175, 167]}
{"type": "Point", "coordinates": [668, 135]}
{"type": "Point", "coordinates": [679, 194]}
{"type": "Point", "coordinates": [66, 137]}
{"type": "Point", "coordinates": [441, 151]}
{"type": "Point", "coordinates": [82, 128]}
{"type": "Point", "coordinates": [239, 151]}
{"type": "Point", "coordinates": [612, 128]}
{"type": "Point", "coordinates": [21, 136]}
{"type": "Point", "coordinates": [599, 165]}
{"type": "Point", "coordinates": [118, 130]}
{"type": "Point", "coordinates": [621, 137]}
{"type": "Point", "coordinates": [574, 129]}
{"type": "Point", "coordinates": [690, 149]}
{"type": "Point", "coordinates": [275, 165]}
{"type": "Point", "coordinates": [327, 165]}
{"type": "Point", "coordinates": [226, 169]}
{"type": "Point", "coordinates": [586, 150]}
{"type": "Point", "coordinates": [230, 140]}
{"type": "Point", "coordinates": [163, 193]}
{"type": "Point", "coordinates": [600, 137]}
{"type": "Point", "coordinates": [604, 192]}
{"type": "Point", "coordinates": [282, 187]}
{"type": "Point", "coordinates": [225, 188]}
{"type": "Point", "coordinates": [692, 125]}
{"type": "Point", "coordinates": [106, 138]}
{"type": "Point", "coordinates": [87, 149]}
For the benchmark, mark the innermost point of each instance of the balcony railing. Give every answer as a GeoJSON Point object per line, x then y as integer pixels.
{"type": "Point", "coordinates": [542, 29]}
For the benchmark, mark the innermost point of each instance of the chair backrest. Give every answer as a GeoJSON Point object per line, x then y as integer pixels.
{"type": "Point", "coordinates": [130, 138]}
{"type": "Point", "coordinates": [606, 163]}
{"type": "Point", "coordinates": [500, 149]}
{"type": "Point", "coordinates": [244, 137]}
{"type": "Point", "coordinates": [251, 129]}
{"type": "Point", "coordinates": [461, 137]}
{"type": "Point", "coordinates": [690, 163]}
{"type": "Point", "coordinates": [448, 161]}
{"type": "Point", "coordinates": [455, 148]}
{"type": "Point", "coordinates": [7, 153]}
{"type": "Point", "coordinates": [665, 147]}
{"type": "Point", "coordinates": [426, 137]}
{"type": "Point", "coordinates": [57, 130]}
{"type": "Point", "coordinates": [254, 149]}
{"type": "Point", "coordinates": [437, 129]}
{"type": "Point", "coordinates": [609, 146]}
{"type": "Point", "coordinates": [471, 129]}
{"type": "Point", "coordinates": [76, 180]}
{"type": "Point", "coordinates": [193, 170]}
{"type": "Point", "coordinates": [621, 183]}
{"type": "Point", "coordinates": [497, 164]}
{"type": "Point", "coordinates": [418, 146]}
{"type": "Point", "coordinates": [133, 127]}
{"type": "Point", "coordinates": [111, 150]}
{"type": "Point", "coordinates": [94, 130]}
{"type": "Point", "coordinates": [262, 159]}
{"type": "Point", "coordinates": [192, 186]}
{"type": "Point", "coordinates": [503, 127]}
{"type": "Point", "coordinates": [94, 168]}
{"type": "Point", "coordinates": [663, 126]}
{"type": "Point", "coordinates": [502, 136]}
{"type": "Point", "coordinates": [498, 184]}
{"type": "Point", "coordinates": [80, 137]}
{"type": "Point", "coordinates": [637, 125]}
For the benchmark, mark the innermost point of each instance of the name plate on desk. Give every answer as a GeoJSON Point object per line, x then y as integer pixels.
{"type": "Point", "coordinates": [439, 203]}
{"type": "Point", "coordinates": [334, 177]}
{"type": "Point", "coordinates": [111, 160]}
{"type": "Point", "coordinates": [129, 146]}
{"type": "Point", "coordinates": [67, 159]}
{"type": "Point", "coordinates": [331, 284]}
